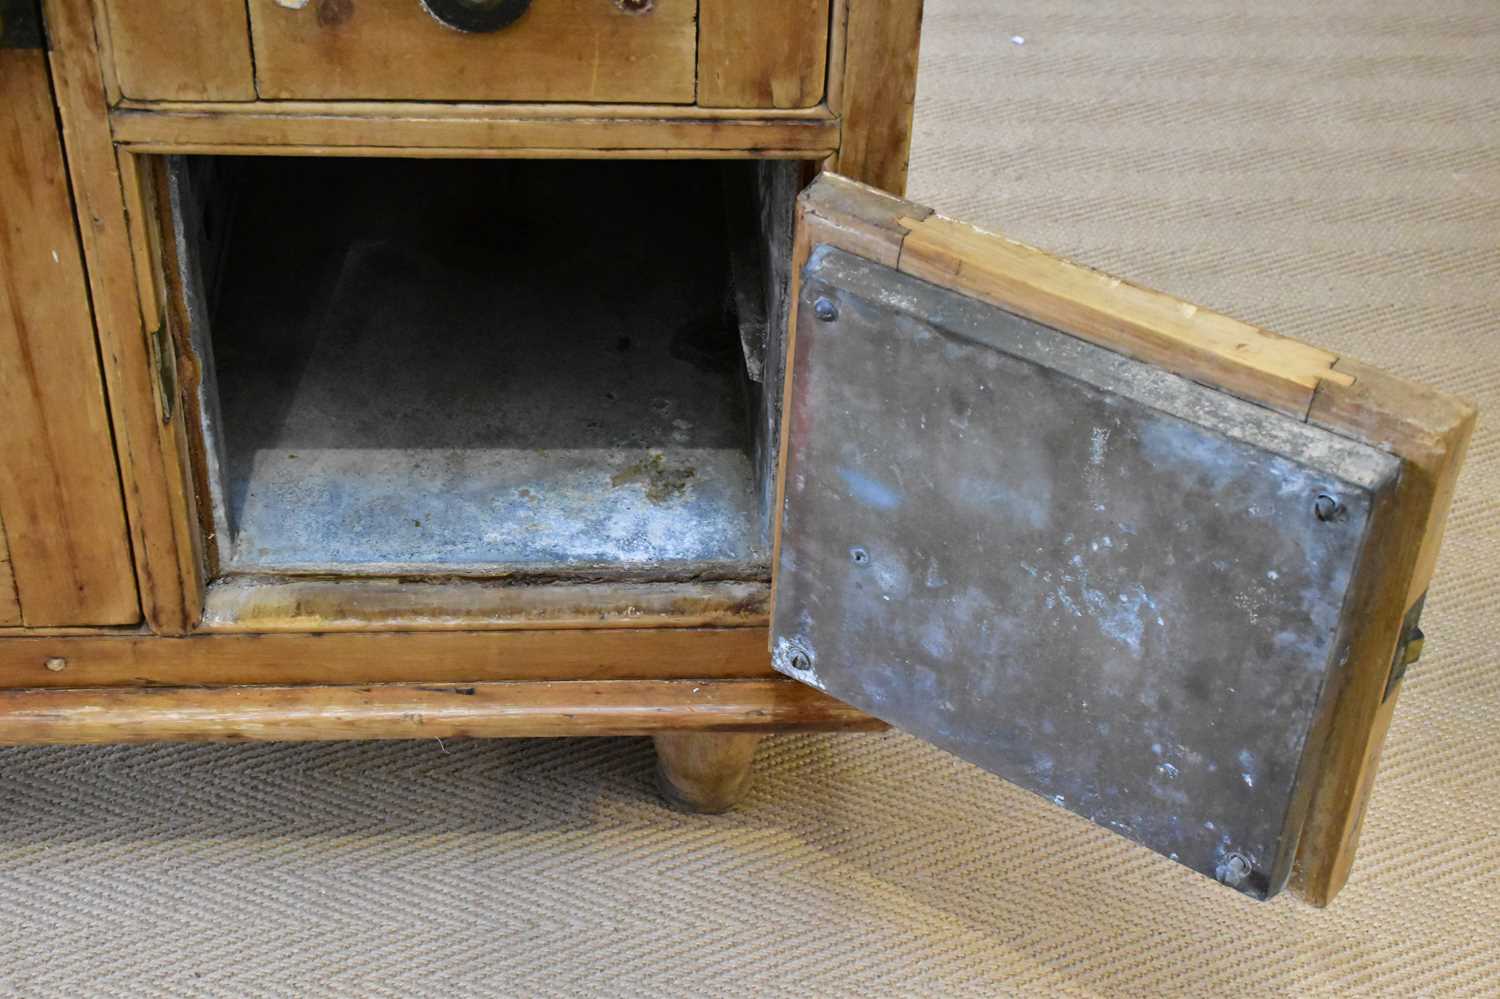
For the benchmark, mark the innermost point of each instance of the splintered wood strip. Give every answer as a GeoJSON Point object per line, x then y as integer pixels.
{"type": "Point", "coordinates": [767, 54]}
{"type": "Point", "coordinates": [1148, 325]}
{"type": "Point", "coordinates": [413, 711]}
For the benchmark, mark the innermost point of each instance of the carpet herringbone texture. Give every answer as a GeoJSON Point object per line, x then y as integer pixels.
{"type": "Point", "coordinates": [1330, 170]}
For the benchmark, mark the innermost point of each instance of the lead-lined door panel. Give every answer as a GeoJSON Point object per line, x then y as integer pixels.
{"type": "Point", "coordinates": [1141, 596]}
{"type": "Point", "coordinates": [59, 484]}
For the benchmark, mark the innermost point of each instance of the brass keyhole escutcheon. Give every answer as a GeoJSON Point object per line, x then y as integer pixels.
{"type": "Point", "coordinates": [477, 16]}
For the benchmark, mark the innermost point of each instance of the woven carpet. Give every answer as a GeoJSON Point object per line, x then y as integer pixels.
{"type": "Point", "coordinates": [1330, 170]}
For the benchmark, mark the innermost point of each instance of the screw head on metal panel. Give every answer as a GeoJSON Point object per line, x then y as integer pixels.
{"type": "Point", "coordinates": [825, 310]}
{"type": "Point", "coordinates": [1328, 508]}
{"type": "Point", "coordinates": [1233, 870]}
{"type": "Point", "coordinates": [792, 654]}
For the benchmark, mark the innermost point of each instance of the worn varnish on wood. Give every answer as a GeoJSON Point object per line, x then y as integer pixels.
{"type": "Point", "coordinates": [419, 711]}
{"type": "Point", "coordinates": [382, 657]}
{"type": "Point", "coordinates": [503, 131]}
{"type": "Point", "coordinates": [1430, 433]}
{"type": "Point", "coordinates": [704, 771]}
{"type": "Point", "coordinates": [762, 54]}
{"type": "Point", "coordinates": [59, 484]}
{"type": "Point", "coordinates": [873, 89]}
{"type": "Point", "coordinates": [559, 50]}
{"type": "Point", "coordinates": [156, 479]}
{"type": "Point", "coordinates": [180, 50]}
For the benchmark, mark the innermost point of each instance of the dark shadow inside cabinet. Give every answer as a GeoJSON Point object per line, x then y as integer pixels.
{"type": "Point", "coordinates": [485, 367]}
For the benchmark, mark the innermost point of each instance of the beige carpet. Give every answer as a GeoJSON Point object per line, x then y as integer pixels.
{"type": "Point", "coordinates": [1331, 170]}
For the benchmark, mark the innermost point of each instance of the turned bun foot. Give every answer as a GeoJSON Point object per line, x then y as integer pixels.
{"type": "Point", "coordinates": [704, 771]}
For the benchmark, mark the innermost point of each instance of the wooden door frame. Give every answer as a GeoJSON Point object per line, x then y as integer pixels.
{"type": "Point", "coordinates": [110, 203]}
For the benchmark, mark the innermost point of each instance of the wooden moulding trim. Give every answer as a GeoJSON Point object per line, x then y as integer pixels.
{"type": "Point", "coordinates": [389, 111]}
{"type": "Point", "coordinates": [382, 657]}
{"type": "Point", "coordinates": [250, 604]}
{"type": "Point", "coordinates": [157, 131]}
{"type": "Point", "coordinates": [425, 711]}
{"type": "Point", "coordinates": [474, 153]}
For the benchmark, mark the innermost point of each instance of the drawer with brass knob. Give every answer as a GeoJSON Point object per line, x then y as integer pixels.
{"type": "Point", "coordinates": [717, 53]}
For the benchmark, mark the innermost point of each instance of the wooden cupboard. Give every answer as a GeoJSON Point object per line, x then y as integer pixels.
{"type": "Point", "coordinates": [362, 400]}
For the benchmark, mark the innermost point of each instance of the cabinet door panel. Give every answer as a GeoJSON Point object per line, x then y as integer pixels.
{"type": "Point", "coordinates": [1150, 562]}
{"type": "Point", "coordinates": [59, 483]}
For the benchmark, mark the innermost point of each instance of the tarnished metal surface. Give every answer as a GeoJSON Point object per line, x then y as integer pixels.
{"type": "Point", "coordinates": [1098, 580]}
{"type": "Point", "coordinates": [435, 366]}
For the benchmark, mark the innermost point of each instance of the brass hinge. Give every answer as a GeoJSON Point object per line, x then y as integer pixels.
{"type": "Point", "coordinates": [1408, 647]}
{"type": "Point", "coordinates": [164, 360]}
{"type": "Point", "coordinates": [21, 25]}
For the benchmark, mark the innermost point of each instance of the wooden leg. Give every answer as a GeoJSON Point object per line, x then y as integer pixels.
{"type": "Point", "coordinates": [704, 771]}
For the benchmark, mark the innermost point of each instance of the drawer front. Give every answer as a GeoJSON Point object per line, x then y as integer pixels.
{"type": "Point", "coordinates": [558, 50]}
{"type": "Point", "coordinates": [181, 50]}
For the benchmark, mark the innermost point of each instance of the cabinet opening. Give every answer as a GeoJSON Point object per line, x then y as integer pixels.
{"type": "Point", "coordinates": [495, 367]}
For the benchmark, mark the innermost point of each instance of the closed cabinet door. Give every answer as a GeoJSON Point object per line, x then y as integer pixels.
{"type": "Point", "coordinates": [1156, 565]}
{"type": "Point", "coordinates": [65, 556]}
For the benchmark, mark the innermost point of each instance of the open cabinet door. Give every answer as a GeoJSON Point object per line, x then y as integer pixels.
{"type": "Point", "coordinates": [60, 501]}
{"type": "Point", "coordinates": [1152, 563]}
